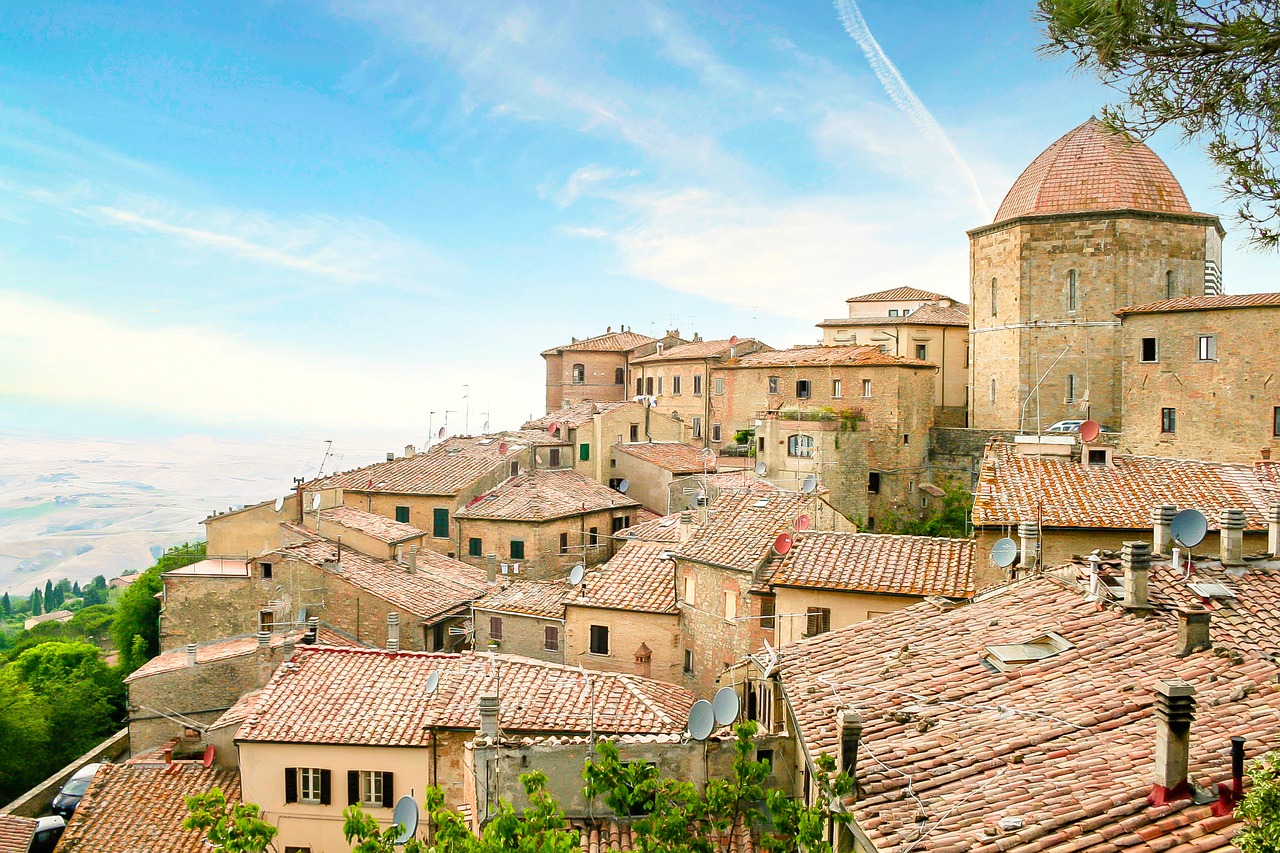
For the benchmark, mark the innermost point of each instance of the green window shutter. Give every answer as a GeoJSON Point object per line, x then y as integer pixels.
{"type": "Point", "coordinates": [440, 523]}
{"type": "Point", "coordinates": [474, 547]}
{"type": "Point", "coordinates": [584, 452]}
{"type": "Point", "coordinates": [402, 514]}
{"type": "Point", "coordinates": [517, 549]}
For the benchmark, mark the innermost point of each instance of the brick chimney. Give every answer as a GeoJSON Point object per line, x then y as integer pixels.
{"type": "Point", "coordinates": [191, 654]}
{"type": "Point", "coordinates": [489, 716]}
{"type": "Point", "coordinates": [1193, 630]}
{"type": "Point", "coordinates": [393, 632]}
{"type": "Point", "coordinates": [1273, 529]}
{"type": "Point", "coordinates": [1135, 560]}
{"type": "Point", "coordinates": [1162, 528]}
{"type": "Point", "coordinates": [1029, 536]}
{"type": "Point", "coordinates": [849, 722]}
{"type": "Point", "coordinates": [491, 567]}
{"type": "Point", "coordinates": [413, 559]}
{"type": "Point", "coordinates": [686, 527]}
{"type": "Point", "coordinates": [644, 661]}
{"type": "Point", "coordinates": [1231, 525]}
{"type": "Point", "coordinates": [1175, 709]}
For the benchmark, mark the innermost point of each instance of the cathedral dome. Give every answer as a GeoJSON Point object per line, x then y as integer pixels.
{"type": "Point", "coordinates": [1090, 169]}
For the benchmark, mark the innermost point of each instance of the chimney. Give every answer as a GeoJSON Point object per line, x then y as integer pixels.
{"type": "Point", "coordinates": [393, 632]}
{"type": "Point", "coordinates": [286, 650]}
{"type": "Point", "coordinates": [1175, 709]}
{"type": "Point", "coordinates": [313, 629]}
{"type": "Point", "coordinates": [644, 661]}
{"type": "Point", "coordinates": [850, 723]}
{"type": "Point", "coordinates": [489, 716]}
{"type": "Point", "coordinates": [491, 567]}
{"type": "Point", "coordinates": [1273, 529]}
{"type": "Point", "coordinates": [1135, 559]}
{"type": "Point", "coordinates": [1193, 630]}
{"type": "Point", "coordinates": [1162, 528]}
{"type": "Point", "coordinates": [391, 455]}
{"type": "Point", "coordinates": [409, 450]}
{"type": "Point", "coordinates": [191, 654]}
{"type": "Point", "coordinates": [1029, 534]}
{"type": "Point", "coordinates": [1231, 524]}
{"type": "Point", "coordinates": [686, 527]}
{"type": "Point", "coordinates": [264, 639]}
{"type": "Point", "coordinates": [413, 560]}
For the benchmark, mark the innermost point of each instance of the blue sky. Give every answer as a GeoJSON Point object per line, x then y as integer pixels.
{"type": "Point", "coordinates": [297, 216]}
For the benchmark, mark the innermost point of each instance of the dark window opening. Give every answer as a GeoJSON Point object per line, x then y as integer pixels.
{"type": "Point", "coordinates": [1168, 420]}
{"type": "Point", "coordinates": [517, 549]}
{"type": "Point", "coordinates": [768, 612]}
{"type": "Point", "coordinates": [804, 389]}
{"type": "Point", "coordinates": [474, 547]}
{"type": "Point", "coordinates": [648, 385]}
{"type": "Point", "coordinates": [555, 457]}
{"type": "Point", "coordinates": [564, 543]}
{"type": "Point", "coordinates": [873, 482]}
{"type": "Point", "coordinates": [619, 376]}
{"type": "Point", "coordinates": [599, 639]}
{"type": "Point", "coordinates": [635, 433]}
{"type": "Point", "coordinates": [593, 536]}
{"type": "Point", "coordinates": [402, 514]}
{"type": "Point", "coordinates": [551, 638]}
{"type": "Point", "coordinates": [922, 352]}
{"type": "Point", "coordinates": [1148, 352]}
{"type": "Point", "coordinates": [495, 627]}
{"type": "Point", "coordinates": [266, 571]}
{"type": "Point", "coordinates": [818, 621]}
{"type": "Point", "coordinates": [440, 523]}
{"type": "Point", "coordinates": [579, 374]}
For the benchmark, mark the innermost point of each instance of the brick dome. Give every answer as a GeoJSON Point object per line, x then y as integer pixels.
{"type": "Point", "coordinates": [1090, 169]}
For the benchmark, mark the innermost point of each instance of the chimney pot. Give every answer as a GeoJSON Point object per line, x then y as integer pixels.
{"type": "Point", "coordinates": [491, 567]}
{"type": "Point", "coordinates": [413, 559]}
{"type": "Point", "coordinates": [644, 661]}
{"type": "Point", "coordinates": [1231, 524]}
{"type": "Point", "coordinates": [313, 629]}
{"type": "Point", "coordinates": [1135, 559]}
{"type": "Point", "coordinates": [1175, 709]}
{"type": "Point", "coordinates": [1193, 631]}
{"type": "Point", "coordinates": [1273, 529]}
{"type": "Point", "coordinates": [1162, 528]}
{"type": "Point", "coordinates": [489, 716]}
{"type": "Point", "coordinates": [264, 639]}
{"type": "Point", "coordinates": [393, 632]}
{"type": "Point", "coordinates": [409, 450]}
{"type": "Point", "coordinates": [286, 649]}
{"type": "Point", "coordinates": [686, 526]}
{"type": "Point", "coordinates": [850, 723]}
{"type": "Point", "coordinates": [1029, 534]}
{"type": "Point", "coordinates": [191, 654]}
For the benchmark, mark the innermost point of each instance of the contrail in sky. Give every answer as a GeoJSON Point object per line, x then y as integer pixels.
{"type": "Point", "coordinates": [898, 90]}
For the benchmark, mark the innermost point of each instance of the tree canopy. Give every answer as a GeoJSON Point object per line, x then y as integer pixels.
{"type": "Point", "coordinates": [1210, 69]}
{"type": "Point", "coordinates": [1260, 808]}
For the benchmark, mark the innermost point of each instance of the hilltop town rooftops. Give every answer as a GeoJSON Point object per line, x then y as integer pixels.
{"type": "Point", "coordinates": [673, 456]}
{"type": "Point", "coordinates": [608, 342]}
{"type": "Point", "coordinates": [544, 495]}
{"type": "Point", "coordinates": [702, 350]}
{"type": "Point", "coordinates": [742, 526]}
{"type": "Point", "coordinates": [664, 528]}
{"type": "Point", "coordinates": [878, 563]}
{"type": "Point", "coordinates": [216, 650]}
{"type": "Point", "coordinates": [1054, 754]}
{"type": "Point", "coordinates": [530, 598]}
{"type": "Point", "coordinates": [574, 416]}
{"type": "Point", "coordinates": [445, 469]}
{"type": "Point", "coordinates": [244, 708]}
{"type": "Point", "coordinates": [1013, 487]}
{"type": "Point", "coordinates": [836, 356]}
{"type": "Point", "coordinates": [379, 698]}
{"type": "Point", "coordinates": [899, 294]}
{"type": "Point", "coordinates": [639, 578]}
{"type": "Point", "coordinates": [1204, 303]}
{"type": "Point", "coordinates": [378, 526]}
{"type": "Point", "coordinates": [926, 315]}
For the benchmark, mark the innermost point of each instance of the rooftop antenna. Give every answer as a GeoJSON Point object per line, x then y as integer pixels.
{"type": "Point", "coordinates": [1189, 528]}
{"type": "Point", "coordinates": [761, 468]}
{"type": "Point", "coordinates": [466, 396]}
{"type": "Point", "coordinates": [782, 545]}
{"type": "Point", "coordinates": [433, 684]}
{"type": "Point", "coordinates": [810, 483]}
{"type": "Point", "coordinates": [328, 447]}
{"type": "Point", "coordinates": [444, 430]}
{"type": "Point", "coordinates": [1089, 431]}
{"type": "Point", "coordinates": [430, 427]}
{"type": "Point", "coordinates": [279, 503]}
{"type": "Point", "coordinates": [623, 485]}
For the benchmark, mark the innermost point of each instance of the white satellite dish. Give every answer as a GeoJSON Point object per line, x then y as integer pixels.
{"type": "Point", "coordinates": [406, 817]}
{"type": "Point", "coordinates": [433, 683]}
{"type": "Point", "coordinates": [624, 485]}
{"type": "Point", "coordinates": [810, 483]}
{"type": "Point", "coordinates": [726, 705]}
{"type": "Point", "coordinates": [279, 503]}
{"type": "Point", "coordinates": [1004, 552]}
{"type": "Point", "coordinates": [760, 468]}
{"type": "Point", "coordinates": [702, 719]}
{"type": "Point", "coordinates": [315, 502]}
{"type": "Point", "coordinates": [1189, 528]}
{"type": "Point", "coordinates": [576, 574]}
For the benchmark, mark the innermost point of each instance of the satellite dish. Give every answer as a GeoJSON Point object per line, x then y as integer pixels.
{"type": "Point", "coordinates": [1090, 430]}
{"type": "Point", "coordinates": [406, 815]}
{"type": "Point", "coordinates": [760, 468]}
{"type": "Point", "coordinates": [783, 543]}
{"type": "Point", "coordinates": [502, 449]}
{"type": "Point", "coordinates": [440, 433]}
{"type": "Point", "coordinates": [810, 483]}
{"type": "Point", "coordinates": [279, 503]}
{"type": "Point", "coordinates": [702, 719]}
{"type": "Point", "coordinates": [726, 705]}
{"type": "Point", "coordinates": [802, 522]}
{"type": "Point", "coordinates": [1189, 528]}
{"type": "Point", "coordinates": [553, 428]}
{"type": "Point", "coordinates": [624, 485]}
{"type": "Point", "coordinates": [433, 683]}
{"type": "Point", "coordinates": [1004, 552]}
{"type": "Point", "coordinates": [733, 341]}
{"type": "Point", "coordinates": [315, 502]}
{"type": "Point", "coordinates": [576, 574]}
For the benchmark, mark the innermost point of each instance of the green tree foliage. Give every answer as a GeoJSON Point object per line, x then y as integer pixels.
{"type": "Point", "coordinates": [137, 624]}
{"type": "Point", "coordinates": [95, 592]}
{"type": "Point", "coordinates": [75, 589]}
{"type": "Point", "coordinates": [24, 736]}
{"type": "Point", "coordinates": [37, 603]}
{"type": "Point", "coordinates": [93, 621]}
{"type": "Point", "coordinates": [1210, 69]}
{"type": "Point", "coordinates": [950, 517]}
{"type": "Point", "coordinates": [6, 605]}
{"type": "Point", "coordinates": [1260, 808]}
{"type": "Point", "coordinates": [235, 828]}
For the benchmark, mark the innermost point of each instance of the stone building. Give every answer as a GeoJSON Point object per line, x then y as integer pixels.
{"type": "Point", "coordinates": [918, 323]}
{"type": "Point", "coordinates": [522, 617]}
{"type": "Point", "coordinates": [650, 469]}
{"type": "Point", "coordinates": [1199, 377]}
{"type": "Point", "coordinates": [588, 430]}
{"type": "Point", "coordinates": [678, 379]}
{"type": "Point", "coordinates": [1097, 222]}
{"type": "Point", "coordinates": [597, 369]}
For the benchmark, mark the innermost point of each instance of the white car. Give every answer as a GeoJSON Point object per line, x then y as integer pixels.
{"type": "Point", "coordinates": [1065, 426]}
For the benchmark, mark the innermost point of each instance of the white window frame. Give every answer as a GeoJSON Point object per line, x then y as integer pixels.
{"type": "Point", "coordinates": [800, 446]}
{"type": "Point", "coordinates": [837, 388]}
{"type": "Point", "coordinates": [690, 590]}
{"type": "Point", "coordinates": [1207, 347]}
{"type": "Point", "coordinates": [866, 387]}
{"type": "Point", "coordinates": [371, 782]}
{"type": "Point", "coordinates": [309, 785]}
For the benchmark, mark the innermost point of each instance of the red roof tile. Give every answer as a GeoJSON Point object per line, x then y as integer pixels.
{"type": "Point", "coordinates": [16, 833]}
{"type": "Point", "coordinates": [702, 350]}
{"type": "Point", "coordinates": [176, 659]}
{"type": "Point", "coordinates": [1205, 303]}
{"type": "Point", "coordinates": [640, 577]}
{"type": "Point", "coordinates": [543, 495]}
{"type": "Point", "coordinates": [244, 708]}
{"type": "Point", "coordinates": [608, 342]}
{"type": "Point", "coordinates": [665, 528]}
{"type": "Point", "coordinates": [574, 416]}
{"type": "Point", "coordinates": [840, 356]}
{"type": "Point", "coordinates": [899, 294]}
{"type": "Point", "coordinates": [742, 527]}
{"type": "Point", "coordinates": [378, 526]}
{"type": "Point", "coordinates": [1091, 169]}
{"type": "Point", "coordinates": [927, 315]}
{"type": "Point", "coordinates": [672, 456]}
{"type": "Point", "coordinates": [879, 563]}
{"type": "Point", "coordinates": [612, 836]}
{"type": "Point", "coordinates": [445, 469]}
{"type": "Point", "coordinates": [532, 598]}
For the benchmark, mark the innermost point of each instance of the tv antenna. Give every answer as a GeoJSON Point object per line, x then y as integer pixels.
{"type": "Point", "coordinates": [328, 451]}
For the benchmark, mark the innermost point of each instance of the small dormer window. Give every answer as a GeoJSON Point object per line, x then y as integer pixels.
{"type": "Point", "coordinates": [893, 312]}
{"type": "Point", "coordinates": [1004, 657]}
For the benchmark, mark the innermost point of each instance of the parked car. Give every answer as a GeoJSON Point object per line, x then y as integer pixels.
{"type": "Point", "coordinates": [48, 830]}
{"type": "Point", "coordinates": [64, 805]}
{"type": "Point", "coordinates": [1065, 426]}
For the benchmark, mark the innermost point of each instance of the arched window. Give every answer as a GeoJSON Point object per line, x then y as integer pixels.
{"type": "Point", "coordinates": [1073, 295]}
{"type": "Point", "coordinates": [800, 445]}
{"type": "Point", "coordinates": [993, 297]}
{"type": "Point", "coordinates": [1170, 284]}
{"type": "Point", "coordinates": [993, 389]}
{"type": "Point", "coordinates": [579, 374]}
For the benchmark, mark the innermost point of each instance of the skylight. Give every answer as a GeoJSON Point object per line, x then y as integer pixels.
{"type": "Point", "coordinates": [1006, 656]}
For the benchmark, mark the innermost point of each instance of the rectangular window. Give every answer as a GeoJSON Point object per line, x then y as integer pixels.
{"type": "Point", "coordinates": [554, 455]}
{"type": "Point", "coordinates": [659, 386]}
{"type": "Point", "coordinates": [675, 386]}
{"type": "Point", "coordinates": [803, 389]}
{"type": "Point", "coordinates": [730, 606]}
{"type": "Point", "coordinates": [697, 427]}
{"type": "Point", "coordinates": [1148, 351]}
{"type": "Point", "coordinates": [768, 610]}
{"type": "Point", "coordinates": [564, 543]}
{"type": "Point", "coordinates": [495, 627]}
{"type": "Point", "coordinates": [579, 374]}
{"type": "Point", "coordinates": [599, 639]}
{"type": "Point", "coordinates": [773, 385]}
{"type": "Point", "coordinates": [622, 522]}
{"type": "Point", "coordinates": [266, 571]}
{"type": "Point", "coordinates": [648, 385]}
{"type": "Point", "coordinates": [307, 785]}
{"type": "Point", "coordinates": [1168, 420]}
{"type": "Point", "coordinates": [688, 661]}
{"type": "Point", "coordinates": [437, 637]}
{"type": "Point", "coordinates": [836, 388]}
{"type": "Point", "coordinates": [873, 482]}
{"type": "Point", "coordinates": [1208, 347]}
{"type": "Point", "coordinates": [893, 312]}
{"type": "Point", "coordinates": [402, 514]}
{"type": "Point", "coordinates": [266, 620]}
{"type": "Point", "coordinates": [619, 376]}
{"type": "Point", "coordinates": [517, 549]}
{"type": "Point", "coordinates": [593, 536]}
{"type": "Point", "coordinates": [922, 352]}
{"type": "Point", "coordinates": [584, 452]}
{"type": "Point", "coordinates": [715, 432]}
{"type": "Point", "coordinates": [1275, 421]}
{"type": "Point", "coordinates": [474, 546]}
{"type": "Point", "coordinates": [719, 385]}
{"type": "Point", "coordinates": [440, 523]}
{"type": "Point", "coordinates": [639, 386]}
{"type": "Point", "coordinates": [819, 621]}
{"type": "Point", "coordinates": [697, 383]}
{"type": "Point", "coordinates": [690, 590]}
{"type": "Point", "coordinates": [866, 387]}
{"type": "Point", "coordinates": [551, 638]}
{"type": "Point", "coordinates": [370, 788]}
{"type": "Point", "coordinates": [635, 433]}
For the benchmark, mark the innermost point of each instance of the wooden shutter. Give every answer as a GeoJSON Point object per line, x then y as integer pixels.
{"type": "Point", "coordinates": [291, 784]}
{"type": "Point", "coordinates": [326, 787]}
{"type": "Point", "coordinates": [353, 787]}
{"type": "Point", "coordinates": [388, 790]}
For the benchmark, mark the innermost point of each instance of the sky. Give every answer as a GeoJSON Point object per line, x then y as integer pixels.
{"type": "Point", "coordinates": [308, 219]}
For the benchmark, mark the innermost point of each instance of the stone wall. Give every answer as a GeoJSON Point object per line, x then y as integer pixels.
{"type": "Point", "coordinates": [628, 630]}
{"type": "Point", "coordinates": [522, 634]}
{"type": "Point", "coordinates": [542, 557]}
{"type": "Point", "coordinates": [250, 531]}
{"type": "Point", "coordinates": [599, 380]}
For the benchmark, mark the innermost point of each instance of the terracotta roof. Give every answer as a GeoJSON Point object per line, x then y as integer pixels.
{"type": "Point", "coordinates": [738, 479]}
{"type": "Point", "coordinates": [899, 294]}
{"type": "Point", "coordinates": [16, 833]}
{"type": "Point", "coordinates": [134, 807]}
{"type": "Point", "coordinates": [176, 659]}
{"type": "Point", "coordinates": [244, 708]}
{"type": "Point", "coordinates": [572, 417]}
{"type": "Point", "coordinates": [1205, 303]}
{"type": "Point", "coordinates": [445, 469]}
{"type": "Point", "coordinates": [609, 342]}
{"type": "Point", "coordinates": [543, 495]}
{"type": "Point", "coordinates": [1091, 169]}
{"type": "Point", "coordinates": [368, 697]}
{"type": "Point", "coordinates": [926, 315]}
{"type": "Point", "coordinates": [840, 356]}
{"type": "Point", "coordinates": [1269, 472]}
{"type": "Point", "coordinates": [1063, 746]}
{"type": "Point", "coordinates": [438, 587]}
{"type": "Point", "coordinates": [880, 563]}
{"type": "Point", "coordinates": [742, 526]}
{"type": "Point", "coordinates": [701, 350]}
{"type": "Point", "coordinates": [1011, 487]}
{"type": "Point", "coordinates": [665, 528]}
{"type": "Point", "coordinates": [672, 456]}
{"type": "Point", "coordinates": [532, 598]}
{"type": "Point", "coordinates": [613, 835]}
{"type": "Point", "coordinates": [640, 577]}
{"type": "Point", "coordinates": [378, 526]}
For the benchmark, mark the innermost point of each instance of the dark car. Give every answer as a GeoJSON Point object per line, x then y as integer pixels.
{"type": "Point", "coordinates": [69, 797]}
